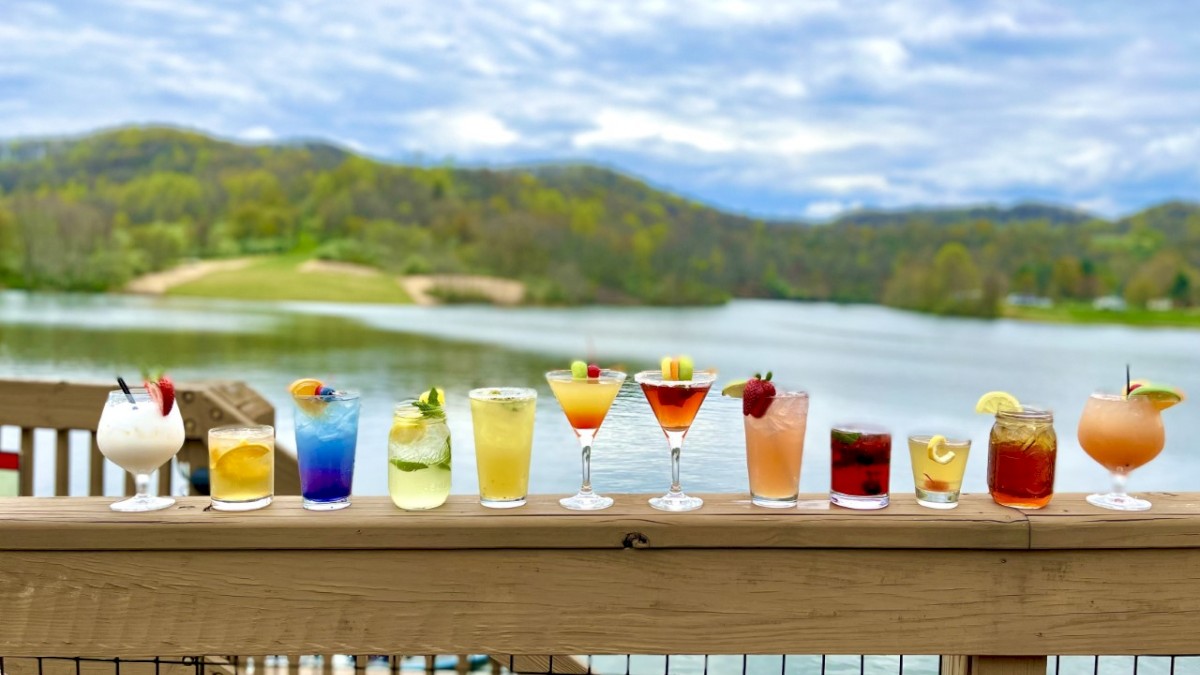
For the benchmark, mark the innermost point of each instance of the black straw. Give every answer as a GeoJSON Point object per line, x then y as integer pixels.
{"type": "Point", "coordinates": [125, 388]}
{"type": "Point", "coordinates": [1127, 381]}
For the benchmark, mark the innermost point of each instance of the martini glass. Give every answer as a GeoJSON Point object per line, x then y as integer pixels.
{"type": "Point", "coordinates": [675, 403]}
{"type": "Point", "coordinates": [1121, 433]}
{"type": "Point", "coordinates": [586, 403]}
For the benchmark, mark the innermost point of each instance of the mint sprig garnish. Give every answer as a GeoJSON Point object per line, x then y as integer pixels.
{"type": "Point", "coordinates": [432, 409]}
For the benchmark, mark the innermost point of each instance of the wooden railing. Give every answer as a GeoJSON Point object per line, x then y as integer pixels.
{"type": "Point", "coordinates": [993, 589]}
{"type": "Point", "coordinates": [74, 407]}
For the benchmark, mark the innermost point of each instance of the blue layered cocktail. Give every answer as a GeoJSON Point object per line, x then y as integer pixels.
{"type": "Point", "coordinates": [326, 436]}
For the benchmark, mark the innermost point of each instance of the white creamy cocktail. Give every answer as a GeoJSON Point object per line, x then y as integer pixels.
{"type": "Point", "coordinates": [139, 437]}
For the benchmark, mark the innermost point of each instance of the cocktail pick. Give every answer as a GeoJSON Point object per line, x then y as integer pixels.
{"type": "Point", "coordinates": [1127, 380]}
{"type": "Point", "coordinates": [125, 388]}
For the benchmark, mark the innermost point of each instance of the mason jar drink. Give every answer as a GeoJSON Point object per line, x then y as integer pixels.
{"type": "Point", "coordinates": [1022, 452]}
{"type": "Point", "coordinates": [418, 458]}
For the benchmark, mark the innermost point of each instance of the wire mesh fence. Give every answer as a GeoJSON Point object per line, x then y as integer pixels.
{"type": "Point", "coordinates": [575, 665]}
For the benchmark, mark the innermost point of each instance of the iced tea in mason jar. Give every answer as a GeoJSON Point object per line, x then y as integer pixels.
{"type": "Point", "coordinates": [1022, 452]}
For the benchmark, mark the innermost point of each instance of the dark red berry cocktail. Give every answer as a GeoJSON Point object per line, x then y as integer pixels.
{"type": "Point", "coordinates": [859, 466]}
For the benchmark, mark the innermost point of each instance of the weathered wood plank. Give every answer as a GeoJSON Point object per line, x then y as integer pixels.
{"type": "Point", "coordinates": [953, 664]}
{"type": "Point", "coordinates": [95, 468]}
{"type": "Point", "coordinates": [685, 601]}
{"type": "Point", "coordinates": [166, 475]}
{"type": "Point", "coordinates": [62, 463]}
{"type": "Point", "coordinates": [1008, 665]}
{"type": "Point", "coordinates": [25, 466]}
{"type": "Point", "coordinates": [544, 663]}
{"type": "Point", "coordinates": [1069, 522]}
{"type": "Point", "coordinates": [373, 522]}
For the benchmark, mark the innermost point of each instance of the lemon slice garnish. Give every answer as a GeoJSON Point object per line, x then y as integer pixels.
{"type": "Point", "coordinates": [937, 450]}
{"type": "Point", "coordinates": [997, 401]}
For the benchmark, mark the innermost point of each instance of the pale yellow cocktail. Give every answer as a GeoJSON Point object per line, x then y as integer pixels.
{"type": "Point", "coordinates": [503, 422]}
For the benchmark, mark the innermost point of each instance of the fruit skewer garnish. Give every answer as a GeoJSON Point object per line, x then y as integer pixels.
{"type": "Point", "coordinates": [756, 394]}
{"type": "Point", "coordinates": [311, 394]}
{"type": "Point", "coordinates": [584, 371]}
{"type": "Point", "coordinates": [677, 368]}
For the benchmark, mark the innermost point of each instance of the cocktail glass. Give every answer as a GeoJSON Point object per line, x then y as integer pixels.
{"type": "Point", "coordinates": [860, 466]}
{"type": "Point", "coordinates": [1022, 453]}
{"type": "Point", "coordinates": [586, 402]}
{"type": "Point", "coordinates": [241, 467]}
{"type": "Point", "coordinates": [137, 437]}
{"type": "Point", "coordinates": [503, 422]}
{"type": "Point", "coordinates": [675, 403]}
{"type": "Point", "coordinates": [775, 448]}
{"type": "Point", "coordinates": [326, 438]}
{"type": "Point", "coordinates": [1121, 433]}
{"type": "Point", "coordinates": [938, 471]}
{"type": "Point", "coordinates": [418, 459]}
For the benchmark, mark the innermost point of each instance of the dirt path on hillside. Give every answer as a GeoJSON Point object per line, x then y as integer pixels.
{"type": "Point", "coordinates": [498, 291]}
{"type": "Point", "coordinates": [157, 283]}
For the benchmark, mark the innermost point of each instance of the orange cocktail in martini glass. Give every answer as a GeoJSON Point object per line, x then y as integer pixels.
{"type": "Point", "coordinates": [585, 394]}
{"type": "Point", "coordinates": [675, 394]}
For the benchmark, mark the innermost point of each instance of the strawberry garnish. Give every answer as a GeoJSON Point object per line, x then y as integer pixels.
{"type": "Point", "coordinates": [757, 396]}
{"type": "Point", "coordinates": [162, 392]}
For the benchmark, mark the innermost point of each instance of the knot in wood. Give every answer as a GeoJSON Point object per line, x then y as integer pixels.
{"type": "Point", "coordinates": [636, 540]}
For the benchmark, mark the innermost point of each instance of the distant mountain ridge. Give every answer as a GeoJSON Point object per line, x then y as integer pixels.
{"type": "Point", "coordinates": [90, 211]}
{"type": "Point", "coordinates": [1057, 215]}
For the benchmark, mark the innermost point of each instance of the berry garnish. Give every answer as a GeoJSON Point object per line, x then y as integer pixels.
{"type": "Point", "coordinates": [756, 397]}
{"type": "Point", "coordinates": [579, 370]}
{"type": "Point", "coordinates": [593, 371]}
{"type": "Point", "coordinates": [162, 392]}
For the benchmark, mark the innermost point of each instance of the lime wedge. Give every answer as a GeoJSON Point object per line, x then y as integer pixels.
{"type": "Point", "coordinates": [1161, 395]}
{"type": "Point", "coordinates": [997, 401]}
{"type": "Point", "coordinates": [937, 450]}
{"type": "Point", "coordinates": [734, 389]}
{"type": "Point", "coordinates": [408, 466]}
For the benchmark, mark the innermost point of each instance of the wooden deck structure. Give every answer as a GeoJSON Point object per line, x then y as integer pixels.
{"type": "Point", "coordinates": [993, 590]}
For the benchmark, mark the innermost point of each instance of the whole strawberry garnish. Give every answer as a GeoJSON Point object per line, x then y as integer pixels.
{"type": "Point", "coordinates": [757, 396]}
{"type": "Point", "coordinates": [162, 392]}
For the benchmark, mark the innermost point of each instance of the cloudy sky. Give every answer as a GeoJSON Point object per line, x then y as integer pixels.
{"type": "Point", "coordinates": [804, 108]}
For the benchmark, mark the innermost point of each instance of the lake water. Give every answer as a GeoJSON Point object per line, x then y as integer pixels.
{"type": "Point", "coordinates": [910, 372]}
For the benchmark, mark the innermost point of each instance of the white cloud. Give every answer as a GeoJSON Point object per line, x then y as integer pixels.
{"type": "Point", "coordinates": [854, 183]}
{"type": "Point", "coordinates": [823, 210]}
{"type": "Point", "coordinates": [627, 128]}
{"type": "Point", "coordinates": [257, 133]}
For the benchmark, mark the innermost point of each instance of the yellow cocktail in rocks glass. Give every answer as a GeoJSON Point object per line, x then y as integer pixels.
{"type": "Point", "coordinates": [241, 461]}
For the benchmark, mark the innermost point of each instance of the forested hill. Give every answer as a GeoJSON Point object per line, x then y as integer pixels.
{"type": "Point", "coordinates": [89, 213]}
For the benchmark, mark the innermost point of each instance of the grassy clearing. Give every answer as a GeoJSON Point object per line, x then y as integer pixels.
{"type": "Point", "coordinates": [279, 278]}
{"type": "Point", "coordinates": [1084, 313]}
